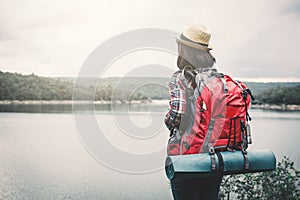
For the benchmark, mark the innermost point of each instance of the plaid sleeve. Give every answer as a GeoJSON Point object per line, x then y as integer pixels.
{"type": "Point", "coordinates": [177, 104]}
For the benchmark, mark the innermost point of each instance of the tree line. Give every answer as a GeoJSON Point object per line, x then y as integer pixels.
{"type": "Point", "coordinates": [14, 86]}
{"type": "Point", "coordinates": [280, 95]}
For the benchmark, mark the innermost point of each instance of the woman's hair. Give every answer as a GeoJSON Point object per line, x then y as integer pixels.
{"type": "Point", "coordinates": [193, 57]}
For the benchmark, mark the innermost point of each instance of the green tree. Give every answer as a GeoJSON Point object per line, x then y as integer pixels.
{"type": "Point", "coordinates": [283, 183]}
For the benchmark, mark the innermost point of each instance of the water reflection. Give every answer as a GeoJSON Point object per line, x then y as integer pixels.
{"type": "Point", "coordinates": [42, 157]}
{"type": "Point", "coordinates": [84, 107]}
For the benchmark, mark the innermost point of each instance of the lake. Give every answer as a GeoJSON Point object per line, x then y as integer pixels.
{"type": "Point", "coordinates": [45, 155]}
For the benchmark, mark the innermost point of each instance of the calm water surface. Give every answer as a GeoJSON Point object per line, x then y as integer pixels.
{"type": "Point", "coordinates": [42, 157]}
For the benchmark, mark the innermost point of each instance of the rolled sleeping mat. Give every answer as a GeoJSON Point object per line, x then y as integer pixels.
{"type": "Point", "coordinates": [226, 162]}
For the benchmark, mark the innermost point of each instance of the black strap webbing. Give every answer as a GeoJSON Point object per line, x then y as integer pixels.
{"type": "Point", "coordinates": [234, 132]}
{"type": "Point", "coordinates": [221, 162]}
{"type": "Point", "coordinates": [246, 160]}
{"type": "Point", "coordinates": [229, 135]}
{"type": "Point", "coordinates": [213, 158]}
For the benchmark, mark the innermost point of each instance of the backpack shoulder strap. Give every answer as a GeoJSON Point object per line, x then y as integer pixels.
{"type": "Point", "coordinates": [221, 77]}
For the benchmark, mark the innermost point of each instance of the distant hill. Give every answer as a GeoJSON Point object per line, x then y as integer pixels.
{"type": "Point", "coordinates": [258, 88]}
{"type": "Point", "coordinates": [14, 86]}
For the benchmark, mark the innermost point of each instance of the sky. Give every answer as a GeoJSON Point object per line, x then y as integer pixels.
{"type": "Point", "coordinates": [252, 40]}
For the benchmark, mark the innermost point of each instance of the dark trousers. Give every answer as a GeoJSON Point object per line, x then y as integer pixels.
{"type": "Point", "coordinates": [196, 188]}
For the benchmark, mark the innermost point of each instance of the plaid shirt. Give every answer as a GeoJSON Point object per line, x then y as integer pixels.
{"type": "Point", "coordinates": [177, 104]}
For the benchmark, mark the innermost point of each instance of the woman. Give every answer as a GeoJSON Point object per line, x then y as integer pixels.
{"type": "Point", "coordinates": [193, 55]}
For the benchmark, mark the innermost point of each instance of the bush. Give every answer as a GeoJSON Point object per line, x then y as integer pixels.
{"type": "Point", "coordinates": [283, 183]}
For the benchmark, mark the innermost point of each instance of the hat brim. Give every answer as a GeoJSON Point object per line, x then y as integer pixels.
{"type": "Point", "coordinates": [194, 45]}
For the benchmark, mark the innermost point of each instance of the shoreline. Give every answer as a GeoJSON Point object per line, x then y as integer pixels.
{"type": "Point", "coordinates": [275, 107]}
{"type": "Point", "coordinates": [70, 102]}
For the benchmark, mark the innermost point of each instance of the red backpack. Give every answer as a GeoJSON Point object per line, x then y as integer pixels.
{"type": "Point", "coordinates": [217, 115]}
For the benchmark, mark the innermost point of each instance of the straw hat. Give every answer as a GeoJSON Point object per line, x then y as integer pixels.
{"type": "Point", "coordinates": [196, 36]}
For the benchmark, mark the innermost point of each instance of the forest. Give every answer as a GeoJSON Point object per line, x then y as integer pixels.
{"type": "Point", "coordinates": [15, 86]}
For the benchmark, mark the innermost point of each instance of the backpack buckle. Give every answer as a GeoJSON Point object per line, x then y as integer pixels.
{"type": "Point", "coordinates": [212, 158]}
